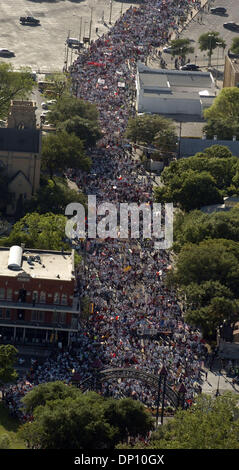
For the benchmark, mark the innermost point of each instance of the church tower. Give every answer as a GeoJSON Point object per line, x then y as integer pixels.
{"type": "Point", "coordinates": [20, 153]}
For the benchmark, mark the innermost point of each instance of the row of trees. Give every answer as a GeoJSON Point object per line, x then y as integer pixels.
{"type": "Point", "coordinates": [65, 418]}
{"type": "Point", "coordinates": [207, 42]}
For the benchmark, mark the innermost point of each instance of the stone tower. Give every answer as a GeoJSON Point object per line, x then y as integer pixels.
{"type": "Point", "coordinates": [22, 115]}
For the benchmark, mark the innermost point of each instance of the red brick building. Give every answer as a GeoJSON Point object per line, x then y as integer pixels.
{"type": "Point", "coordinates": [37, 302]}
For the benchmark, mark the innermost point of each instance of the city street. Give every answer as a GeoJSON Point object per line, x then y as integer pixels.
{"type": "Point", "coordinates": [43, 47]}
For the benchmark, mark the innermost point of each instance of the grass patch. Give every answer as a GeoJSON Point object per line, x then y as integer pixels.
{"type": "Point", "coordinates": [8, 429]}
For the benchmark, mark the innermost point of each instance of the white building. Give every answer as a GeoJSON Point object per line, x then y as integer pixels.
{"type": "Point", "coordinates": [173, 92]}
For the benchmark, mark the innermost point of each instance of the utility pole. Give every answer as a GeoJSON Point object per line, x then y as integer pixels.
{"type": "Point", "coordinates": [80, 28]}
{"type": "Point", "coordinates": [91, 13]}
{"type": "Point", "coordinates": [111, 3]}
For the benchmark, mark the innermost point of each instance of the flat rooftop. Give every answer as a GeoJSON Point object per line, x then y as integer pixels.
{"type": "Point", "coordinates": [174, 80]}
{"type": "Point", "coordinates": [39, 264]}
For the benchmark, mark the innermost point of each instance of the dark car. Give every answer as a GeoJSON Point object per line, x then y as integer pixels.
{"type": "Point", "coordinates": [29, 20]}
{"type": "Point", "coordinates": [192, 67]}
{"type": "Point", "coordinates": [216, 10]}
{"type": "Point", "coordinates": [232, 26]}
{"type": "Point", "coordinates": [6, 53]}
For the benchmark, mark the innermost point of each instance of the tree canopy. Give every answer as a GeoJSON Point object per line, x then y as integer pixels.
{"type": "Point", "coordinates": [223, 116]}
{"type": "Point", "coordinates": [212, 423]}
{"type": "Point", "coordinates": [68, 107]}
{"type": "Point", "coordinates": [65, 418]}
{"type": "Point", "coordinates": [235, 45]}
{"type": "Point", "coordinates": [13, 85]}
{"type": "Point", "coordinates": [210, 41]}
{"type": "Point", "coordinates": [8, 354]}
{"type": "Point", "coordinates": [181, 47]}
{"type": "Point", "coordinates": [61, 151]}
{"type": "Point", "coordinates": [42, 231]}
{"type": "Point", "coordinates": [53, 196]}
{"type": "Point", "coordinates": [200, 180]}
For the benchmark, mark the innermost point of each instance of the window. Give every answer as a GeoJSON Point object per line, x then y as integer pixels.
{"type": "Point", "coordinates": [2, 293]}
{"type": "Point", "coordinates": [42, 297]}
{"type": "Point", "coordinates": [9, 294]}
{"type": "Point", "coordinates": [35, 296]}
{"type": "Point", "coordinates": [8, 314]}
{"type": "Point", "coordinates": [64, 299]}
{"type": "Point", "coordinates": [62, 317]}
{"type": "Point", "coordinates": [1, 313]}
{"type": "Point", "coordinates": [56, 298]}
{"type": "Point", "coordinates": [38, 316]}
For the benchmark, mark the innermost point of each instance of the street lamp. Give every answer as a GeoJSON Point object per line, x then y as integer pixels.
{"type": "Point", "coordinates": [219, 44]}
{"type": "Point", "coordinates": [210, 49]}
{"type": "Point", "coordinates": [181, 395]}
{"type": "Point", "coordinates": [162, 376]}
{"type": "Point", "coordinates": [110, 11]}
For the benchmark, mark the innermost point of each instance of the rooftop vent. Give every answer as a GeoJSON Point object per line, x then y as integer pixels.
{"type": "Point", "coordinates": [15, 258]}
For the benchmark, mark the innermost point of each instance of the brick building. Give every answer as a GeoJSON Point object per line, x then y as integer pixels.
{"type": "Point", "coordinates": [231, 72]}
{"type": "Point", "coordinates": [37, 301]}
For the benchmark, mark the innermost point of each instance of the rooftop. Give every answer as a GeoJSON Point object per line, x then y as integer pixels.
{"type": "Point", "coordinates": [24, 140]}
{"type": "Point", "coordinates": [41, 264]}
{"type": "Point", "coordinates": [179, 81]}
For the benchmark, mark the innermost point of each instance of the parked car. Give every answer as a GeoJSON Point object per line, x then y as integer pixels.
{"type": "Point", "coordinates": [6, 53]}
{"type": "Point", "coordinates": [232, 26]}
{"type": "Point", "coordinates": [216, 10]}
{"type": "Point", "coordinates": [29, 20]}
{"type": "Point", "coordinates": [192, 67]}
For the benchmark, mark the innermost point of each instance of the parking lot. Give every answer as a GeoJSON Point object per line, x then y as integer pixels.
{"type": "Point", "coordinates": [43, 47]}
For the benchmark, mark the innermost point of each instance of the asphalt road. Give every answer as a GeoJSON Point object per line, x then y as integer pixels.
{"type": "Point", "coordinates": [43, 47]}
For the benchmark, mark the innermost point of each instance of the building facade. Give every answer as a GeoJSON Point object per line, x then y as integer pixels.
{"type": "Point", "coordinates": [231, 72]}
{"type": "Point", "coordinates": [38, 304]}
{"type": "Point", "coordinates": [173, 92]}
{"type": "Point", "coordinates": [20, 153]}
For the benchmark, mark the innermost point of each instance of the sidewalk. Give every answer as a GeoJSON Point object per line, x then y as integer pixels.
{"type": "Point", "coordinates": [217, 380]}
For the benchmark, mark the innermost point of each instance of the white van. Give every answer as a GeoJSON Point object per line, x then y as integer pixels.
{"type": "Point", "coordinates": [73, 42]}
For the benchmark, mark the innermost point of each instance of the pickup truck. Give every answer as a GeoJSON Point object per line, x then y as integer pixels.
{"type": "Point", "coordinates": [29, 20]}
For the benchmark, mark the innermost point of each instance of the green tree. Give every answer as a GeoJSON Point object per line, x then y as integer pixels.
{"type": "Point", "coordinates": [144, 129]}
{"type": "Point", "coordinates": [196, 226]}
{"type": "Point", "coordinates": [191, 190]}
{"type": "Point", "coordinates": [212, 259]}
{"type": "Point", "coordinates": [87, 130]}
{"type": "Point", "coordinates": [14, 85]}
{"type": "Point", "coordinates": [212, 423]}
{"type": "Point", "coordinates": [61, 85]}
{"type": "Point", "coordinates": [46, 392]}
{"type": "Point", "coordinates": [42, 231]}
{"type": "Point", "coordinates": [87, 421]}
{"type": "Point", "coordinates": [210, 41]}
{"type": "Point", "coordinates": [53, 196]}
{"type": "Point", "coordinates": [67, 107]}
{"type": "Point", "coordinates": [235, 45]}
{"type": "Point", "coordinates": [61, 151]}
{"type": "Point", "coordinates": [7, 360]}
{"type": "Point", "coordinates": [223, 116]}
{"type": "Point", "coordinates": [181, 47]}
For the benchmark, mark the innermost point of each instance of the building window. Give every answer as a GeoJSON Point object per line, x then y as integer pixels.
{"type": "Point", "coordinates": [38, 316]}
{"type": "Point", "coordinates": [8, 314]}
{"type": "Point", "coordinates": [42, 297]}
{"type": "Point", "coordinates": [2, 293]}
{"type": "Point", "coordinates": [64, 299]}
{"type": "Point", "coordinates": [56, 298]}
{"type": "Point", "coordinates": [62, 317]}
{"type": "Point", "coordinates": [1, 313]}
{"type": "Point", "coordinates": [35, 296]}
{"type": "Point", "coordinates": [9, 294]}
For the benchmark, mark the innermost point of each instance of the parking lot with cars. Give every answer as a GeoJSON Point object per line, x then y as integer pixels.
{"type": "Point", "coordinates": [208, 21]}
{"type": "Point", "coordinates": [42, 47]}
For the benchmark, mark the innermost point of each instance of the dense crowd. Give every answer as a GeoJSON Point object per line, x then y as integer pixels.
{"type": "Point", "coordinates": [137, 320]}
